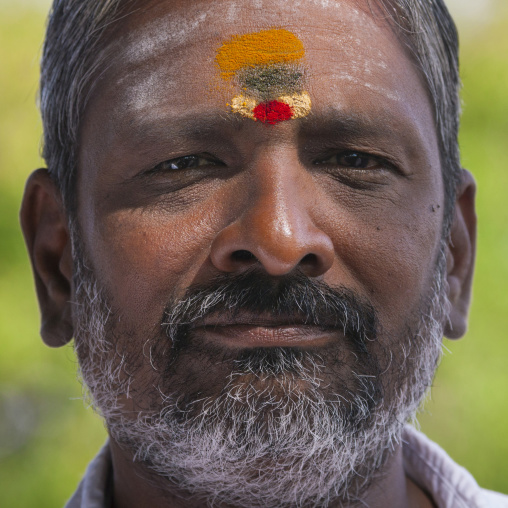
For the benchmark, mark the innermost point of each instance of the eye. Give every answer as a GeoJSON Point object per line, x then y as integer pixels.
{"type": "Point", "coordinates": [187, 162]}
{"type": "Point", "coordinates": [354, 160]}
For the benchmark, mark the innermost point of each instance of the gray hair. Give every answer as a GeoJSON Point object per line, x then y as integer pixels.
{"type": "Point", "coordinates": [75, 54]}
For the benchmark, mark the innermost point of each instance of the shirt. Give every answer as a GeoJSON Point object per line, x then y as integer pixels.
{"type": "Point", "coordinates": [425, 462]}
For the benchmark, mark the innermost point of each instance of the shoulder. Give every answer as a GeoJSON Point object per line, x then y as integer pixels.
{"type": "Point", "coordinates": [450, 485]}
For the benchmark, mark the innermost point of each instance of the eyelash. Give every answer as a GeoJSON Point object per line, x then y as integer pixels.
{"type": "Point", "coordinates": [162, 167]}
{"type": "Point", "coordinates": [194, 161]}
{"type": "Point", "coordinates": [356, 156]}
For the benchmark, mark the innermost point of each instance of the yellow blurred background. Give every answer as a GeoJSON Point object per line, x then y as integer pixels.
{"type": "Point", "coordinates": [47, 435]}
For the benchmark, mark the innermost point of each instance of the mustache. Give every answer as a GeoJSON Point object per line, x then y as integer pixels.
{"type": "Point", "coordinates": [293, 298]}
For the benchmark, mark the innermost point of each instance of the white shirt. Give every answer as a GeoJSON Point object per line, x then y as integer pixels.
{"type": "Point", "coordinates": [426, 463]}
{"type": "Point", "coordinates": [449, 484]}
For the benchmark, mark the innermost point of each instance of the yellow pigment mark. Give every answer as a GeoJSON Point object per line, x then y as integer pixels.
{"type": "Point", "coordinates": [300, 103]}
{"type": "Point", "coordinates": [244, 106]}
{"type": "Point", "coordinates": [267, 47]}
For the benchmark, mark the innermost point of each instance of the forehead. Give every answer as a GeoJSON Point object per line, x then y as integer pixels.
{"type": "Point", "coordinates": [169, 49]}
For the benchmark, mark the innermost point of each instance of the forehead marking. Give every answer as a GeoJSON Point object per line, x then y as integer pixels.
{"type": "Point", "coordinates": [267, 47]}
{"type": "Point", "coordinates": [267, 67]}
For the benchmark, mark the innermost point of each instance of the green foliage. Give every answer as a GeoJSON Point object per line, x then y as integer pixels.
{"type": "Point", "coordinates": [47, 436]}
{"type": "Point", "coordinates": [468, 413]}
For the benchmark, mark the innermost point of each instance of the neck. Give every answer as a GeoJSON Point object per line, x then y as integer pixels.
{"type": "Point", "coordinates": [135, 487]}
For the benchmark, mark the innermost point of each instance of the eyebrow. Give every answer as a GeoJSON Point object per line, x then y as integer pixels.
{"type": "Point", "coordinates": [355, 125]}
{"type": "Point", "coordinates": [190, 125]}
{"type": "Point", "coordinates": [197, 125]}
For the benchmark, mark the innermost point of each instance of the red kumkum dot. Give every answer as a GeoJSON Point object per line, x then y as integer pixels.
{"type": "Point", "coordinates": [272, 112]}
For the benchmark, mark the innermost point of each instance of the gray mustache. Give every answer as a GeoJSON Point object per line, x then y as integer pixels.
{"type": "Point", "coordinates": [293, 298]}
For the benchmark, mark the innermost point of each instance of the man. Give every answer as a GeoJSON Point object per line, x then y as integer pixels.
{"type": "Point", "coordinates": [255, 226]}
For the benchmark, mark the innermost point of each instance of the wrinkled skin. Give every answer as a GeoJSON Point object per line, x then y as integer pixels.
{"type": "Point", "coordinates": [277, 192]}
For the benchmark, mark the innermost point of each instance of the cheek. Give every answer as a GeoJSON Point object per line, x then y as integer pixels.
{"type": "Point", "coordinates": [387, 250]}
{"type": "Point", "coordinates": [401, 272]}
{"type": "Point", "coordinates": [144, 258]}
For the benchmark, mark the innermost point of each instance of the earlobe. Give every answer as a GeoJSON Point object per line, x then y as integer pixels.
{"type": "Point", "coordinates": [45, 228]}
{"type": "Point", "coordinates": [460, 258]}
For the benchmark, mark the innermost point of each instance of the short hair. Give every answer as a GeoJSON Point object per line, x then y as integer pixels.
{"type": "Point", "coordinates": [74, 56]}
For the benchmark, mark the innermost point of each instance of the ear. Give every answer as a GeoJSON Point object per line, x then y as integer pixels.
{"type": "Point", "coordinates": [44, 225]}
{"type": "Point", "coordinates": [460, 257]}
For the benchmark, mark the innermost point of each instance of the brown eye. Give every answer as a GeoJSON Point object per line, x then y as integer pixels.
{"type": "Point", "coordinates": [191, 161]}
{"type": "Point", "coordinates": [355, 160]}
{"type": "Point", "coordinates": [187, 162]}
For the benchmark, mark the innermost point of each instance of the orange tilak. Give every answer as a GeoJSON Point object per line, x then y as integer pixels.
{"type": "Point", "coordinates": [266, 47]}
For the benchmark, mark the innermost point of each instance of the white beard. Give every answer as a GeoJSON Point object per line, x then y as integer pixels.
{"type": "Point", "coordinates": [255, 445]}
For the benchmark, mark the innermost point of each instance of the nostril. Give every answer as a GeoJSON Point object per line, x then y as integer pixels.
{"type": "Point", "coordinates": [243, 255]}
{"type": "Point", "coordinates": [312, 265]}
{"type": "Point", "coordinates": [309, 259]}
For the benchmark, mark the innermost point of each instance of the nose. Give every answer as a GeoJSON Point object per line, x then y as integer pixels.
{"type": "Point", "coordinates": [276, 228]}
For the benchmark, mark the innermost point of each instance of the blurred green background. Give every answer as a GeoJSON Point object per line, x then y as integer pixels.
{"type": "Point", "coordinates": [47, 435]}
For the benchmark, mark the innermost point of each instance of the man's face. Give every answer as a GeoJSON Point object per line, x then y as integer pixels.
{"type": "Point", "coordinates": [282, 193]}
{"type": "Point", "coordinates": [181, 196]}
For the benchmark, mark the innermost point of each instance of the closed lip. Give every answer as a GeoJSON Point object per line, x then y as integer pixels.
{"type": "Point", "coordinates": [250, 330]}
{"type": "Point", "coordinates": [260, 320]}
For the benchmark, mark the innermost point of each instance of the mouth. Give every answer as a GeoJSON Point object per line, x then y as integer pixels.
{"type": "Point", "coordinates": [252, 331]}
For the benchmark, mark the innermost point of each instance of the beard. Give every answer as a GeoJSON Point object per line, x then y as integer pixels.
{"type": "Point", "coordinates": [258, 427]}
